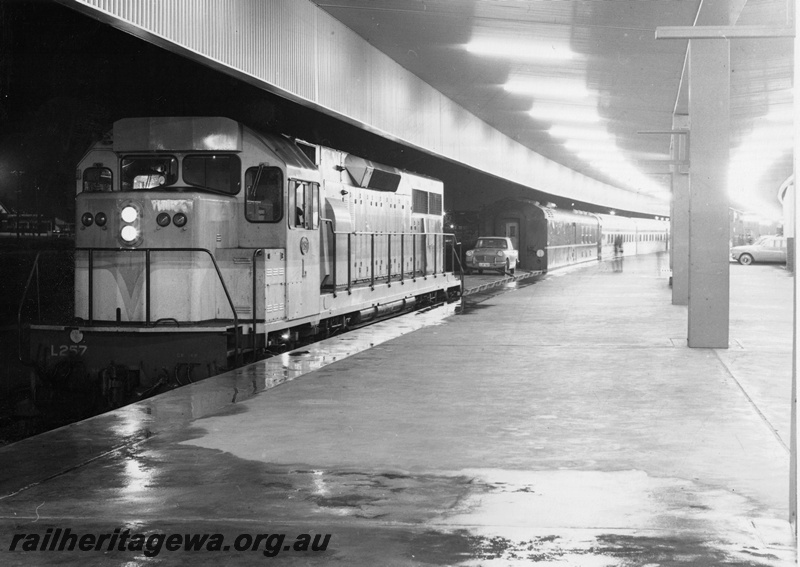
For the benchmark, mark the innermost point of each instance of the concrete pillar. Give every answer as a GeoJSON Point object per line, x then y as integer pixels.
{"type": "Point", "coordinates": [679, 219]}
{"type": "Point", "coordinates": [794, 470]}
{"type": "Point", "coordinates": [787, 196]}
{"type": "Point", "coordinates": [709, 229]}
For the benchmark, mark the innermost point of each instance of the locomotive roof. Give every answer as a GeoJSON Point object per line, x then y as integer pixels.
{"type": "Point", "coordinates": [177, 134]}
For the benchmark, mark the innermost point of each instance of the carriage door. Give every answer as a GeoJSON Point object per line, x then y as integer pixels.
{"type": "Point", "coordinates": [512, 232]}
{"type": "Point", "coordinates": [302, 250]}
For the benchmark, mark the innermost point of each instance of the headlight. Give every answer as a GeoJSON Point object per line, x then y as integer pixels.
{"type": "Point", "coordinates": [100, 219]}
{"type": "Point", "coordinates": [500, 253]}
{"type": "Point", "coordinates": [179, 219]}
{"type": "Point", "coordinates": [129, 214]}
{"type": "Point", "coordinates": [129, 233]}
{"type": "Point", "coordinates": [470, 252]}
{"type": "Point", "coordinates": [130, 219]}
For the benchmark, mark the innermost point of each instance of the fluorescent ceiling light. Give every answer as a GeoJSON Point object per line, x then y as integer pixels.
{"type": "Point", "coordinates": [781, 115]}
{"type": "Point", "coordinates": [593, 146]}
{"type": "Point", "coordinates": [564, 113]}
{"type": "Point", "coordinates": [579, 133]}
{"type": "Point", "coordinates": [520, 49]}
{"type": "Point", "coordinates": [600, 158]}
{"type": "Point", "coordinates": [771, 133]}
{"type": "Point", "coordinates": [548, 88]}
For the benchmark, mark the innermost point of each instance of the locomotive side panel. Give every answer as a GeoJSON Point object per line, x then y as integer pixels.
{"type": "Point", "coordinates": [383, 220]}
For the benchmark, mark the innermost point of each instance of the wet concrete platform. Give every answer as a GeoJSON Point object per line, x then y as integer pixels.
{"type": "Point", "coordinates": [563, 422]}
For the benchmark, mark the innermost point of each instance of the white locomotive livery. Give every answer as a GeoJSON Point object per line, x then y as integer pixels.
{"type": "Point", "coordinates": [201, 243]}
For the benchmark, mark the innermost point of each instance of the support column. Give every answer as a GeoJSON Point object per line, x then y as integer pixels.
{"type": "Point", "coordinates": [789, 229]}
{"type": "Point", "coordinates": [679, 219]}
{"type": "Point", "coordinates": [709, 227]}
{"type": "Point", "coordinates": [792, 214]}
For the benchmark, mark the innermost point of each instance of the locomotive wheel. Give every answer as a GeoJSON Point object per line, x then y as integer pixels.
{"type": "Point", "coordinates": [745, 259]}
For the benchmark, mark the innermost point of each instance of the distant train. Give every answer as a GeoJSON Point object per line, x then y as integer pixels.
{"type": "Point", "coordinates": [550, 238]}
{"type": "Point", "coordinates": [201, 242]}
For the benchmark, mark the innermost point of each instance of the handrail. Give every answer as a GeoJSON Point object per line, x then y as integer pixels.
{"type": "Point", "coordinates": [372, 277]}
{"type": "Point", "coordinates": [34, 269]}
{"type": "Point", "coordinates": [256, 252]}
{"type": "Point", "coordinates": [147, 251]}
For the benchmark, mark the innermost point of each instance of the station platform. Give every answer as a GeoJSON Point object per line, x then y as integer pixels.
{"type": "Point", "coordinates": [561, 422]}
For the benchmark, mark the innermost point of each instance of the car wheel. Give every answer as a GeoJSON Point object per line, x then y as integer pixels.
{"type": "Point", "coordinates": [745, 259]}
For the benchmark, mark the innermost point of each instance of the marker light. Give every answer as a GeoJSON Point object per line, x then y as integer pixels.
{"type": "Point", "coordinates": [163, 219]}
{"type": "Point", "coordinates": [129, 214]}
{"type": "Point", "coordinates": [129, 233]}
{"type": "Point", "coordinates": [87, 219]}
{"type": "Point", "coordinates": [100, 219]}
{"type": "Point", "coordinates": [179, 219]}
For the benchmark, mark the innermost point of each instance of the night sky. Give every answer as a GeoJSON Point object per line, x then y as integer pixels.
{"type": "Point", "coordinates": [65, 78]}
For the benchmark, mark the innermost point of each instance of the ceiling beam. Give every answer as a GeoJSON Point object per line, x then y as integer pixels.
{"type": "Point", "coordinates": [721, 32]}
{"type": "Point", "coordinates": [709, 13]}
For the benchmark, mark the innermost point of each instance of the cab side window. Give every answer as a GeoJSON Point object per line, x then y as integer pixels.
{"type": "Point", "coordinates": [97, 180]}
{"type": "Point", "coordinates": [304, 201]}
{"type": "Point", "coordinates": [264, 194]}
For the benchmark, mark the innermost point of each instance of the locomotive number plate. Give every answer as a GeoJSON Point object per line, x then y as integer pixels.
{"type": "Point", "coordinates": [64, 350]}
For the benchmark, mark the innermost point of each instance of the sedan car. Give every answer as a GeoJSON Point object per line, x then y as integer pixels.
{"type": "Point", "coordinates": [765, 249]}
{"type": "Point", "coordinates": [493, 253]}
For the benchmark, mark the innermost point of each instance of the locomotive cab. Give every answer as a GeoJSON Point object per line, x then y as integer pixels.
{"type": "Point", "coordinates": [162, 194]}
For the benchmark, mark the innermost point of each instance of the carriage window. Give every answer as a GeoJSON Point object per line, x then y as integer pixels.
{"type": "Point", "coordinates": [217, 173]}
{"type": "Point", "coordinates": [264, 202]}
{"type": "Point", "coordinates": [148, 172]}
{"type": "Point", "coordinates": [97, 180]}
{"type": "Point", "coordinates": [305, 203]}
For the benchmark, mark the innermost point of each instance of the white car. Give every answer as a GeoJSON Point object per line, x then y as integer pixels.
{"type": "Point", "coordinates": [493, 253]}
{"type": "Point", "coordinates": [765, 249]}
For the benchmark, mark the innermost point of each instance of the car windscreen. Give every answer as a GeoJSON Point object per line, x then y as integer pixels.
{"type": "Point", "coordinates": [492, 243]}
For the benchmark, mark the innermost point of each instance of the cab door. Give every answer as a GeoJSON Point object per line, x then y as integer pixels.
{"type": "Point", "coordinates": [303, 250]}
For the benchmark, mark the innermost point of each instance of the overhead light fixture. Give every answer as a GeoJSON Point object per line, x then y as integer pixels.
{"type": "Point", "coordinates": [579, 133]}
{"type": "Point", "coordinates": [771, 133]}
{"type": "Point", "coordinates": [564, 113]}
{"type": "Point", "coordinates": [780, 115]}
{"type": "Point", "coordinates": [520, 49]}
{"type": "Point", "coordinates": [599, 158]}
{"type": "Point", "coordinates": [594, 146]}
{"type": "Point", "coordinates": [543, 87]}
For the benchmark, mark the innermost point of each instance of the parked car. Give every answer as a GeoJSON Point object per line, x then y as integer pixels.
{"type": "Point", "coordinates": [765, 249]}
{"type": "Point", "coordinates": [493, 253]}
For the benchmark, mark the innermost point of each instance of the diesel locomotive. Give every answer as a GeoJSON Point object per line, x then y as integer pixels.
{"type": "Point", "coordinates": [202, 243]}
